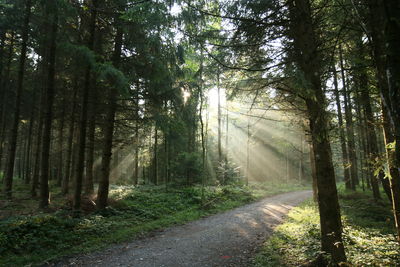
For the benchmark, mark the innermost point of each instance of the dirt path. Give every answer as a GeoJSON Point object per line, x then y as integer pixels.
{"type": "Point", "coordinates": [225, 239]}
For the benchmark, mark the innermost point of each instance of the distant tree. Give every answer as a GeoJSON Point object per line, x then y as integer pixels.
{"type": "Point", "coordinates": [9, 175]}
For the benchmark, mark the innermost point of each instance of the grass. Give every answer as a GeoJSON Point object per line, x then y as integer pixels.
{"type": "Point", "coordinates": [31, 237]}
{"type": "Point", "coordinates": [368, 234]}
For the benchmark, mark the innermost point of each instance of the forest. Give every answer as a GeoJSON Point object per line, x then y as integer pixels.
{"type": "Point", "coordinates": [122, 118]}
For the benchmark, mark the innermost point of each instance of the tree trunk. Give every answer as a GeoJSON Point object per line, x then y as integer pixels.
{"type": "Point", "coordinates": [219, 122]}
{"type": "Point", "coordinates": [37, 154]}
{"type": "Point", "coordinates": [248, 152]}
{"type": "Point", "coordinates": [362, 138]}
{"type": "Point", "coordinates": [60, 143]}
{"type": "Point", "coordinates": [137, 140]}
{"type": "Point", "coordinates": [308, 59]}
{"type": "Point", "coordinates": [2, 94]}
{"type": "Point", "coordinates": [394, 180]}
{"type": "Point", "coordinates": [136, 167]}
{"type": "Point", "coordinates": [89, 188]}
{"type": "Point", "coordinates": [345, 159]}
{"type": "Point", "coordinates": [349, 125]}
{"type": "Point", "coordinates": [392, 38]}
{"type": "Point", "coordinates": [69, 166]}
{"type": "Point", "coordinates": [8, 178]}
{"type": "Point", "coordinates": [313, 173]}
{"type": "Point", "coordinates": [5, 84]}
{"type": "Point", "coordinates": [28, 168]}
{"type": "Point", "coordinates": [84, 112]}
{"type": "Point", "coordinates": [155, 155]}
{"type": "Point", "coordinates": [361, 76]}
{"type": "Point", "coordinates": [49, 98]}
{"type": "Point", "coordinates": [102, 194]}
{"type": "Point", "coordinates": [371, 135]}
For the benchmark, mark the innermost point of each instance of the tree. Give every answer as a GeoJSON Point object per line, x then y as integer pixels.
{"type": "Point", "coordinates": [94, 5]}
{"type": "Point", "coordinates": [8, 179]}
{"type": "Point", "coordinates": [102, 193]}
{"type": "Point", "coordinates": [308, 58]}
{"type": "Point", "coordinates": [341, 133]}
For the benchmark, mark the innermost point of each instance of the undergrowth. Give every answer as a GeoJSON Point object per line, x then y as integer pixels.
{"type": "Point", "coordinates": [368, 234]}
{"type": "Point", "coordinates": [133, 212]}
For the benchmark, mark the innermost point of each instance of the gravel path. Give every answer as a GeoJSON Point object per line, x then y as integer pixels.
{"type": "Point", "coordinates": [225, 239]}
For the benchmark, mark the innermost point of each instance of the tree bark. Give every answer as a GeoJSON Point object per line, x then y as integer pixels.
{"type": "Point", "coordinates": [219, 122]}
{"type": "Point", "coordinates": [84, 113]}
{"type": "Point", "coordinates": [155, 156]}
{"type": "Point", "coordinates": [371, 136]}
{"type": "Point", "coordinates": [4, 84]}
{"type": "Point", "coordinates": [60, 144]}
{"type": "Point", "coordinates": [392, 41]}
{"type": "Point", "coordinates": [308, 59]}
{"type": "Point", "coordinates": [345, 159]}
{"type": "Point", "coordinates": [28, 168]}
{"type": "Point", "coordinates": [349, 125]}
{"type": "Point", "coordinates": [102, 194]}
{"type": "Point", "coordinates": [48, 112]}
{"type": "Point", "coordinates": [9, 175]}
{"type": "Point", "coordinates": [69, 166]}
{"type": "Point", "coordinates": [89, 187]}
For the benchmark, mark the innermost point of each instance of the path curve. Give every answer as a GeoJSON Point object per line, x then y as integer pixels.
{"type": "Point", "coordinates": [225, 239]}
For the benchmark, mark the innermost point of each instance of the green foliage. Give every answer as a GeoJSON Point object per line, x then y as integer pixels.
{"type": "Point", "coordinates": [134, 211]}
{"type": "Point", "coordinates": [367, 233]}
{"type": "Point", "coordinates": [80, 53]}
{"type": "Point", "coordinates": [229, 173]}
{"type": "Point", "coordinates": [187, 163]}
{"type": "Point", "coordinates": [116, 77]}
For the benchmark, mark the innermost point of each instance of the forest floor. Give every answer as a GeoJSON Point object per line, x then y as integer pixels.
{"type": "Point", "coordinates": [368, 235]}
{"type": "Point", "coordinates": [226, 239]}
{"type": "Point", "coordinates": [32, 237]}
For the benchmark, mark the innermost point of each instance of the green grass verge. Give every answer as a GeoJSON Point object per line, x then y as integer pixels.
{"type": "Point", "coordinates": [133, 212]}
{"type": "Point", "coordinates": [368, 234]}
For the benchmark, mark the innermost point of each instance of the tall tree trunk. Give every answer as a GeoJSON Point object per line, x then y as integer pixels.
{"type": "Point", "coordinates": [37, 154]}
{"type": "Point", "coordinates": [155, 156]}
{"type": "Point", "coordinates": [301, 161]}
{"type": "Point", "coordinates": [69, 165]}
{"type": "Point", "coordinates": [49, 99]}
{"type": "Point", "coordinates": [349, 125]}
{"type": "Point", "coordinates": [84, 112]}
{"type": "Point", "coordinates": [219, 121]}
{"type": "Point", "coordinates": [371, 135]}
{"type": "Point", "coordinates": [308, 59]}
{"type": "Point", "coordinates": [4, 84]}
{"type": "Point", "coordinates": [371, 124]}
{"type": "Point", "coordinates": [2, 90]}
{"type": "Point", "coordinates": [136, 167]}
{"type": "Point", "coordinates": [392, 38]}
{"type": "Point", "coordinates": [8, 178]}
{"type": "Point", "coordinates": [226, 141]}
{"type": "Point", "coordinates": [248, 152]}
{"type": "Point", "coordinates": [89, 187]}
{"type": "Point", "coordinates": [61, 143]}
{"type": "Point", "coordinates": [345, 159]}
{"type": "Point", "coordinates": [393, 171]}
{"type": "Point", "coordinates": [313, 173]}
{"type": "Point", "coordinates": [361, 138]}
{"type": "Point", "coordinates": [137, 140]}
{"type": "Point", "coordinates": [102, 194]}
{"type": "Point", "coordinates": [28, 168]}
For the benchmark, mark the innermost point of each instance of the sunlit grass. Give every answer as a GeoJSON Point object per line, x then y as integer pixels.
{"type": "Point", "coordinates": [133, 212]}
{"type": "Point", "coordinates": [368, 235]}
